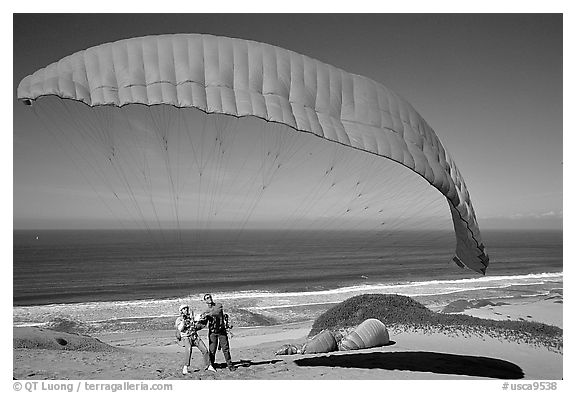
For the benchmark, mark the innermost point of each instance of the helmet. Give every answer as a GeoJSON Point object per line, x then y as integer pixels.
{"type": "Point", "coordinates": [182, 307]}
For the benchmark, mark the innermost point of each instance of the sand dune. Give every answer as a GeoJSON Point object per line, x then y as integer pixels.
{"type": "Point", "coordinates": [40, 354]}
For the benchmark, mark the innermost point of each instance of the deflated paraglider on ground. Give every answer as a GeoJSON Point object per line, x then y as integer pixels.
{"type": "Point", "coordinates": [370, 333]}
{"type": "Point", "coordinates": [154, 87]}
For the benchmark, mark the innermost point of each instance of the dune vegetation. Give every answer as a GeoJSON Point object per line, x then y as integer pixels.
{"type": "Point", "coordinates": [401, 313]}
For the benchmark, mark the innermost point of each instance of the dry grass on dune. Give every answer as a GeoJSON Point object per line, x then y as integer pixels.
{"type": "Point", "coordinates": [401, 313]}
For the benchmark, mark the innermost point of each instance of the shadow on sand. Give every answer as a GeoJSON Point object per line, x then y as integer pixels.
{"type": "Point", "coordinates": [247, 363]}
{"type": "Point", "coordinates": [433, 362]}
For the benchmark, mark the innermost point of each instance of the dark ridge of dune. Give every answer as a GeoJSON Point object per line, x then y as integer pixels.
{"type": "Point", "coordinates": [240, 317]}
{"type": "Point", "coordinates": [390, 309]}
{"type": "Point", "coordinates": [462, 304]}
{"type": "Point", "coordinates": [42, 338]}
{"type": "Point", "coordinates": [401, 313]}
{"type": "Point", "coordinates": [66, 325]}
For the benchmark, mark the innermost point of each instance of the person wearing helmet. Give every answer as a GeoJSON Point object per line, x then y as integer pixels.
{"type": "Point", "coordinates": [217, 331]}
{"type": "Point", "coordinates": [186, 330]}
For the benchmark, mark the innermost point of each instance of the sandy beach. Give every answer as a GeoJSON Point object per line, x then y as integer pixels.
{"type": "Point", "coordinates": [411, 355]}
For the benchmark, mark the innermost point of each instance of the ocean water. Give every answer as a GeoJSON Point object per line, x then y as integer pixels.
{"type": "Point", "coordinates": [126, 280]}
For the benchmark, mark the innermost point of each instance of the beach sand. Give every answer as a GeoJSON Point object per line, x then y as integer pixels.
{"type": "Point", "coordinates": [548, 310]}
{"type": "Point", "coordinates": [411, 355]}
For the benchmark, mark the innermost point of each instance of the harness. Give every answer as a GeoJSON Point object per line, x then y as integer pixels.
{"type": "Point", "coordinates": [189, 329]}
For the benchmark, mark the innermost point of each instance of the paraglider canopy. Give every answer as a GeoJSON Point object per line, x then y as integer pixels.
{"type": "Point", "coordinates": [370, 333]}
{"type": "Point", "coordinates": [239, 78]}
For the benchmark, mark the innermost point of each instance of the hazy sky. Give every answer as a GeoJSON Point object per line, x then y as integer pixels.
{"type": "Point", "coordinates": [489, 85]}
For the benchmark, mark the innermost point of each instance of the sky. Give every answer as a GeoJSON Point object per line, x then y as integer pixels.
{"type": "Point", "coordinates": [490, 85]}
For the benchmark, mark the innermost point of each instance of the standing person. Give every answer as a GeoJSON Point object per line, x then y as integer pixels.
{"type": "Point", "coordinates": [187, 327]}
{"type": "Point", "coordinates": [217, 333]}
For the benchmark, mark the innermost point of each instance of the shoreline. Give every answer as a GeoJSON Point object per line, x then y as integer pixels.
{"type": "Point", "coordinates": [263, 308]}
{"type": "Point", "coordinates": [353, 286]}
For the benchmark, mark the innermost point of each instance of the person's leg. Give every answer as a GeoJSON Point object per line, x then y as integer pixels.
{"type": "Point", "coordinates": [187, 354]}
{"type": "Point", "coordinates": [200, 344]}
{"type": "Point", "coordinates": [212, 345]}
{"type": "Point", "coordinates": [224, 344]}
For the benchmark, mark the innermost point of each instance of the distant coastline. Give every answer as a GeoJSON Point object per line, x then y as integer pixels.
{"type": "Point", "coordinates": [266, 308]}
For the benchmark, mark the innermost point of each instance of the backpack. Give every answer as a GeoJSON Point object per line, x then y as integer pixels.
{"type": "Point", "coordinates": [227, 323]}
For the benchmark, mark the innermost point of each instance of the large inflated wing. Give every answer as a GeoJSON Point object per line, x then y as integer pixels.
{"type": "Point", "coordinates": [245, 78]}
